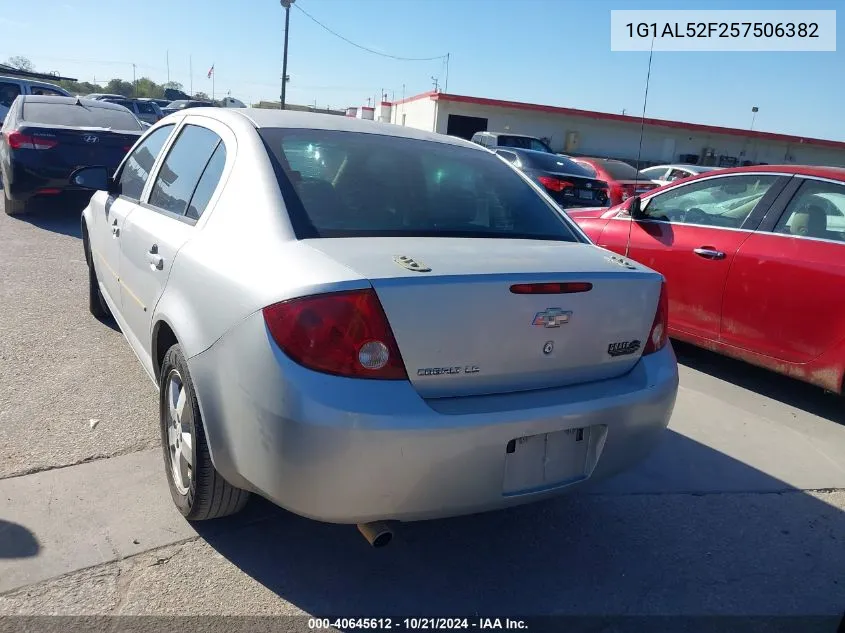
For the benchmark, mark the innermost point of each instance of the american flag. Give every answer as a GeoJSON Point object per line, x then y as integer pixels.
{"type": "Point", "coordinates": [211, 71]}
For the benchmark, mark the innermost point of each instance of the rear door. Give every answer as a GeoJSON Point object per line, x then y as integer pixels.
{"type": "Point", "coordinates": [784, 297]}
{"type": "Point", "coordinates": [691, 234]}
{"type": "Point", "coordinates": [110, 210]}
{"type": "Point", "coordinates": [183, 186]}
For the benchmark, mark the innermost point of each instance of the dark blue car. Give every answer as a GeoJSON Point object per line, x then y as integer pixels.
{"type": "Point", "coordinates": [44, 139]}
{"type": "Point", "coordinates": [569, 184]}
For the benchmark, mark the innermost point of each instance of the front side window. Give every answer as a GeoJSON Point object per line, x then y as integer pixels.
{"type": "Point", "coordinates": [817, 210]}
{"type": "Point", "coordinates": [184, 164]}
{"type": "Point", "coordinates": [346, 184]}
{"type": "Point", "coordinates": [138, 165]}
{"type": "Point", "coordinates": [722, 202]}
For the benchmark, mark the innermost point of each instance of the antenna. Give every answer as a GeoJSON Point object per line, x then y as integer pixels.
{"type": "Point", "coordinates": [640, 149]}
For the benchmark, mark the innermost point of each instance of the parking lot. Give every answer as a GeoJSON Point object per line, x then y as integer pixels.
{"type": "Point", "coordinates": [740, 510]}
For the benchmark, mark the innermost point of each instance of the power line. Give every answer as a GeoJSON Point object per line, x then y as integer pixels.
{"type": "Point", "coordinates": [364, 48]}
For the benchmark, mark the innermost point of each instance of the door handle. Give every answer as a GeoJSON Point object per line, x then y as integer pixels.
{"type": "Point", "coordinates": [156, 260]}
{"type": "Point", "coordinates": [115, 231]}
{"type": "Point", "coordinates": [708, 253]}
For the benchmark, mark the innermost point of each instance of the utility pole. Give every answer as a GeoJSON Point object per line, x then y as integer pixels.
{"type": "Point", "coordinates": [286, 4]}
{"type": "Point", "coordinates": [134, 83]}
{"type": "Point", "coordinates": [434, 79]}
{"type": "Point", "coordinates": [446, 87]}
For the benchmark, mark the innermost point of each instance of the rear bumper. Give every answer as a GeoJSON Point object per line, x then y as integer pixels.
{"type": "Point", "coordinates": [350, 451]}
{"type": "Point", "coordinates": [24, 179]}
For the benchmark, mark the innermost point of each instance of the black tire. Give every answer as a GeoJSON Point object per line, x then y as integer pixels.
{"type": "Point", "coordinates": [13, 207]}
{"type": "Point", "coordinates": [97, 305]}
{"type": "Point", "coordinates": [207, 495]}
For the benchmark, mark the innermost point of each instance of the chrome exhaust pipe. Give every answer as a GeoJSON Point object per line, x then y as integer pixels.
{"type": "Point", "coordinates": [377, 533]}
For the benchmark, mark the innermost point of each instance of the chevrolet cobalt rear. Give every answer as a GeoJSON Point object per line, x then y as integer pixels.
{"type": "Point", "coordinates": [363, 322]}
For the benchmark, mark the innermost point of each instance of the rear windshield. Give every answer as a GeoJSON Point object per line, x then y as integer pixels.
{"type": "Point", "coordinates": [522, 142]}
{"type": "Point", "coordinates": [619, 170]}
{"type": "Point", "coordinates": [73, 115]}
{"type": "Point", "coordinates": [555, 163]}
{"type": "Point", "coordinates": [349, 184]}
{"type": "Point", "coordinates": [589, 169]}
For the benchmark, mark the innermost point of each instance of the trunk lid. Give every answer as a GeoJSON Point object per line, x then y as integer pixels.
{"type": "Point", "coordinates": [78, 147]}
{"type": "Point", "coordinates": [462, 331]}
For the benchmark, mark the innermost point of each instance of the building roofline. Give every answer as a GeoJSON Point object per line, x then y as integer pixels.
{"type": "Point", "coordinates": [623, 118]}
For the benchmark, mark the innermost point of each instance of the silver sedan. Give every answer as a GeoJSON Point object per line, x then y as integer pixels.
{"type": "Point", "coordinates": [363, 322]}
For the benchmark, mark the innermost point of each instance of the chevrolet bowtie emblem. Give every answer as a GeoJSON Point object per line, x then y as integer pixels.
{"type": "Point", "coordinates": [553, 317]}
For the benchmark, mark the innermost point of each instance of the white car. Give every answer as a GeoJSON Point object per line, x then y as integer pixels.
{"type": "Point", "coordinates": [664, 174]}
{"type": "Point", "coordinates": [364, 322]}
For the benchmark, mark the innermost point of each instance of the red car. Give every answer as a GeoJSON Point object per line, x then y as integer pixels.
{"type": "Point", "coordinates": [623, 180]}
{"type": "Point", "coordinates": [754, 259]}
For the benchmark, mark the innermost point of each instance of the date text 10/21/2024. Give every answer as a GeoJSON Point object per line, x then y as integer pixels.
{"type": "Point", "coordinates": [417, 624]}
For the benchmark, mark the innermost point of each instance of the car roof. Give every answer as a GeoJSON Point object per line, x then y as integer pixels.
{"type": "Point", "coordinates": [266, 118]}
{"type": "Point", "coordinates": [34, 82]}
{"type": "Point", "coordinates": [512, 134]}
{"type": "Point", "coordinates": [71, 101]}
{"type": "Point", "coordinates": [699, 168]}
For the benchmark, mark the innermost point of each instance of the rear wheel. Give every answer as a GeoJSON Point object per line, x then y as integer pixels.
{"type": "Point", "coordinates": [97, 305]}
{"type": "Point", "coordinates": [197, 488]}
{"type": "Point", "coordinates": [13, 207]}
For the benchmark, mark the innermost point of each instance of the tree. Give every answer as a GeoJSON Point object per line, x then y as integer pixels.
{"type": "Point", "coordinates": [172, 85]}
{"type": "Point", "coordinates": [21, 63]}
{"type": "Point", "coordinates": [120, 87]}
{"type": "Point", "coordinates": [201, 96]}
{"type": "Point", "coordinates": [146, 87]}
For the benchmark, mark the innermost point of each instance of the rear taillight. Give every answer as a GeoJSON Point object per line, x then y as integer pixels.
{"type": "Point", "coordinates": [659, 333]}
{"type": "Point", "coordinates": [554, 184]}
{"type": "Point", "coordinates": [340, 333]}
{"type": "Point", "coordinates": [16, 140]}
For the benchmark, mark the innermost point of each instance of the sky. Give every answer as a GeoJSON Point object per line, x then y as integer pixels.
{"type": "Point", "coordinates": [554, 52]}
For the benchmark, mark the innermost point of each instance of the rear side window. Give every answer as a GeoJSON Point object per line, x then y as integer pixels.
{"type": "Point", "coordinates": [73, 115]}
{"type": "Point", "coordinates": [50, 92]}
{"type": "Point", "coordinates": [208, 183]}
{"type": "Point", "coordinates": [817, 210]}
{"type": "Point", "coordinates": [346, 184]}
{"type": "Point", "coordinates": [138, 165]}
{"type": "Point", "coordinates": [620, 171]}
{"type": "Point", "coordinates": [184, 164]}
{"type": "Point", "coordinates": [8, 93]}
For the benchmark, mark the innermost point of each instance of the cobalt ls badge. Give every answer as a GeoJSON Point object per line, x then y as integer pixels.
{"type": "Point", "coordinates": [623, 348]}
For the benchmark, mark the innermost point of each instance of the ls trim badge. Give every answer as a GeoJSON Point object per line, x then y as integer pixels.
{"type": "Point", "coordinates": [623, 348]}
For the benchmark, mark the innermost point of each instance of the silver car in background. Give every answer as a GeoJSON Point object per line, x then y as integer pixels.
{"type": "Point", "coordinates": [664, 174]}
{"type": "Point", "coordinates": [366, 322]}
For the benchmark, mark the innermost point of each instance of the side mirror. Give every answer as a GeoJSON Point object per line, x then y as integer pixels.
{"type": "Point", "coordinates": [93, 178]}
{"type": "Point", "coordinates": [635, 208]}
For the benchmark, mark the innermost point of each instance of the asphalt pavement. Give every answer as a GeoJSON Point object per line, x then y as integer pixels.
{"type": "Point", "coordinates": [739, 511]}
